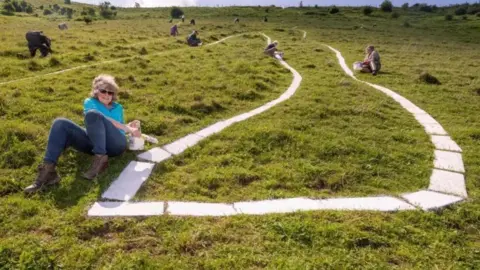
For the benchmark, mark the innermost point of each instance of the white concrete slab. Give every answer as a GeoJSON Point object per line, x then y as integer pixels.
{"type": "Point", "coordinates": [383, 203]}
{"type": "Point", "coordinates": [434, 129]}
{"type": "Point", "coordinates": [275, 206]}
{"type": "Point", "coordinates": [129, 181]}
{"type": "Point", "coordinates": [430, 199]}
{"type": "Point", "coordinates": [448, 182]}
{"type": "Point", "coordinates": [212, 129]}
{"type": "Point", "coordinates": [200, 209]}
{"type": "Point", "coordinates": [109, 209]}
{"type": "Point", "coordinates": [448, 161]}
{"type": "Point", "coordinates": [425, 119]}
{"type": "Point", "coordinates": [181, 144]}
{"type": "Point", "coordinates": [445, 143]}
{"type": "Point", "coordinates": [156, 154]}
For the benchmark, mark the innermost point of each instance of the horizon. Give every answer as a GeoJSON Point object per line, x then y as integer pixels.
{"type": "Point", "coordinates": [278, 3]}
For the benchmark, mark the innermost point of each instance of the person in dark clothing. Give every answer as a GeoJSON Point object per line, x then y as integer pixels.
{"type": "Point", "coordinates": [237, 20]}
{"type": "Point", "coordinates": [192, 21]}
{"type": "Point", "coordinates": [37, 40]}
{"type": "Point", "coordinates": [193, 40]}
{"type": "Point", "coordinates": [265, 19]}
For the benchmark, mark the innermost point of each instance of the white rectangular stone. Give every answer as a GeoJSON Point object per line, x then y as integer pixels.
{"type": "Point", "coordinates": [445, 143]}
{"type": "Point", "coordinates": [275, 206]}
{"type": "Point", "coordinates": [434, 129]}
{"type": "Point", "coordinates": [156, 154]}
{"type": "Point", "coordinates": [212, 129]}
{"type": "Point", "coordinates": [200, 209]}
{"type": "Point", "coordinates": [181, 144]}
{"type": "Point", "coordinates": [383, 203]}
{"type": "Point", "coordinates": [430, 200]}
{"type": "Point", "coordinates": [425, 118]}
{"type": "Point", "coordinates": [448, 182]}
{"type": "Point", "coordinates": [448, 161]}
{"type": "Point", "coordinates": [129, 181]}
{"type": "Point", "coordinates": [108, 209]}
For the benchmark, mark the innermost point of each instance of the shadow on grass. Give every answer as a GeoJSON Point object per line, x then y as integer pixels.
{"type": "Point", "coordinates": [69, 195]}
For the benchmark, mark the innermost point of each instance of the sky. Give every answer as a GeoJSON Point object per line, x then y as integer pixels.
{"type": "Point", "coordinates": [167, 3]}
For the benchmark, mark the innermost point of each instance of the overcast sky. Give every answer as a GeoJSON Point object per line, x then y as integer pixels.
{"type": "Point", "coordinates": [167, 3]}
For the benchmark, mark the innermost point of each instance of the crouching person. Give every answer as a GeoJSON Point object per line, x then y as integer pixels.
{"type": "Point", "coordinates": [103, 136]}
{"type": "Point", "coordinates": [38, 41]}
{"type": "Point", "coordinates": [371, 63]}
{"type": "Point", "coordinates": [193, 40]}
{"type": "Point", "coordinates": [272, 50]}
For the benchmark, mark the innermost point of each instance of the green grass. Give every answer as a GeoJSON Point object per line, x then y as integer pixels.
{"type": "Point", "coordinates": [334, 137]}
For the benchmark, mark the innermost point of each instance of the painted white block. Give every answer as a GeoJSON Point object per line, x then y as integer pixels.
{"type": "Point", "coordinates": [434, 129]}
{"type": "Point", "coordinates": [430, 200]}
{"type": "Point", "coordinates": [448, 161]}
{"type": "Point", "coordinates": [108, 209]}
{"type": "Point", "coordinates": [181, 144]}
{"type": "Point", "coordinates": [448, 182]}
{"type": "Point", "coordinates": [156, 154]}
{"type": "Point", "coordinates": [425, 119]}
{"type": "Point", "coordinates": [129, 181]}
{"type": "Point", "coordinates": [212, 129]}
{"type": "Point", "coordinates": [383, 203]}
{"type": "Point", "coordinates": [275, 206]}
{"type": "Point", "coordinates": [200, 209]}
{"type": "Point", "coordinates": [445, 143]}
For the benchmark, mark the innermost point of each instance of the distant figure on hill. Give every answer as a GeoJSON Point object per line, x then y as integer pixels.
{"type": "Point", "coordinates": [192, 21]}
{"type": "Point", "coordinates": [103, 136]}
{"type": "Point", "coordinates": [183, 18]}
{"type": "Point", "coordinates": [174, 30]}
{"type": "Point", "coordinates": [193, 40]}
{"type": "Point", "coordinates": [371, 63]}
{"type": "Point", "coordinates": [237, 20]}
{"type": "Point", "coordinates": [265, 19]}
{"type": "Point", "coordinates": [62, 26]}
{"type": "Point", "coordinates": [272, 50]}
{"type": "Point", "coordinates": [37, 40]}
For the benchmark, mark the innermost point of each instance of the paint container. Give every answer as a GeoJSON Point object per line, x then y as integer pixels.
{"type": "Point", "coordinates": [358, 65]}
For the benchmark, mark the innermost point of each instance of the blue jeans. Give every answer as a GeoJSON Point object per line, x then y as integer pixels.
{"type": "Point", "coordinates": [100, 137]}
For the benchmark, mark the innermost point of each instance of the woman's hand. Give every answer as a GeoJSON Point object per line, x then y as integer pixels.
{"type": "Point", "coordinates": [135, 132]}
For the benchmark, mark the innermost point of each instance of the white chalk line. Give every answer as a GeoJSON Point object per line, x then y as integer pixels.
{"type": "Point", "coordinates": [434, 198]}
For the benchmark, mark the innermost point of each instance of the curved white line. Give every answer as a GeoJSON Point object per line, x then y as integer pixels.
{"type": "Point", "coordinates": [423, 199]}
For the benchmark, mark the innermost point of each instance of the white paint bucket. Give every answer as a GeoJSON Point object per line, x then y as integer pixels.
{"type": "Point", "coordinates": [135, 143]}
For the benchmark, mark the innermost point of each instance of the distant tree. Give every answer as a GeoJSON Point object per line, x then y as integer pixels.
{"type": "Point", "coordinates": [8, 7]}
{"type": "Point", "coordinates": [67, 2]}
{"type": "Point", "coordinates": [334, 10]}
{"type": "Point", "coordinates": [91, 11]}
{"type": "Point", "coordinates": [448, 17]}
{"type": "Point", "coordinates": [316, 6]}
{"type": "Point", "coordinates": [113, 7]}
{"type": "Point", "coordinates": [137, 5]}
{"type": "Point", "coordinates": [460, 11]}
{"type": "Point", "coordinates": [69, 13]}
{"type": "Point", "coordinates": [386, 6]}
{"type": "Point", "coordinates": [24, 5]}
{"type": "Point", "coordinates": [63, 11]}
{"type": "Point", "coordinates": [105, 10]}
{"type": "Point", "coordinates": [87, 19]}
{"type": "Point", "coordinates": [367, 10]}
{"type": "Point", "coordinates": [41, 7]}
{"type": "Point", "coordinates": [56, 7]}
{"type": "Point", "coordinates": [405, 6]}
{"type": "Point", "coordinates": [29, 9]}
{"type": "Point", "coordinates": [301, 4]}
{"type": "Point", "coordinates": [47, 12]}
{"type": "Point", "coordinates": [176, 12]}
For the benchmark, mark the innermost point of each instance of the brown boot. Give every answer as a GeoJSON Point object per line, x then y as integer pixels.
{"type": "Point", "coordinates": [99, 164]}
{"type": "Point", "coordinates": [47, 175]}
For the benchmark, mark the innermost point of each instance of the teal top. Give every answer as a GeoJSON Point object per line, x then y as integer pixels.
{"type": "Point", "coordinates": [115, 112]}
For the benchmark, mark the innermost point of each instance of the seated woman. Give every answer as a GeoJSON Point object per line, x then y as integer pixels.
{"type": "Point", "coordinates": [174, 30]}
{"type": "Point", "coordinates": [192, 39]}
{"type": "Point", "coordinates": [103, 136]}
{"type": "Point", "coordinates": [371, 64]}
{"type": "Point", "coordinates": [272, 50]}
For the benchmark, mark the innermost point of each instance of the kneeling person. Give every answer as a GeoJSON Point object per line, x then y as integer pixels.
{"type": "Point", "coordinates": [37, 40]}
{"type": "Point", "coordinates": [193, 40]}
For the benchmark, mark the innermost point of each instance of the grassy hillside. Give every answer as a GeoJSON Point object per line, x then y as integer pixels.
{"type": "Point", "coordinates": [334, 137]}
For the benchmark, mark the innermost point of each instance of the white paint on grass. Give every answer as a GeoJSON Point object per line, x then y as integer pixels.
{"type": "Point", "coordinates": [129, 181]}
{"type": "Point", "coordinates": [442, 181]}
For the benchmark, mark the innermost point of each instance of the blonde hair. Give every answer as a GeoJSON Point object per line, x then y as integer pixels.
{"type": "Point", "coordinates": [369, 47]}
{"type": "Point", "coordinates": [107, 82]}
{"type": "Point", "coordinates": [275, 42]}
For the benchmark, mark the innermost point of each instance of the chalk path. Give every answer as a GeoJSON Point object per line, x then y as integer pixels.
{"type": "Point", "coordinates": [447, 183]}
